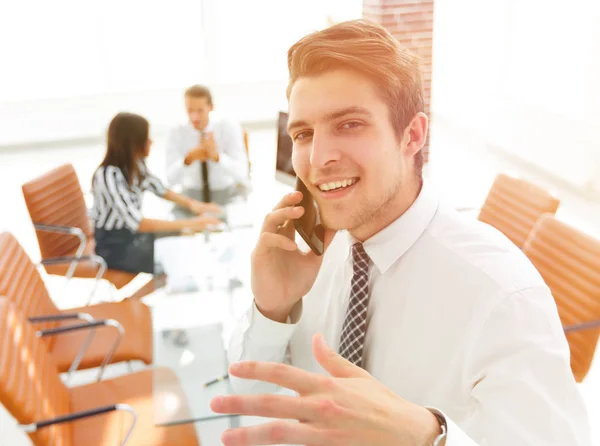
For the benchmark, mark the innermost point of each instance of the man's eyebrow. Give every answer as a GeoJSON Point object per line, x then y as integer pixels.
{"type": "Point", "coordinates": [331, 116]}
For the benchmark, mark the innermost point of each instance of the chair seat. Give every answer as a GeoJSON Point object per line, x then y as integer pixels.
{"type": "Point", "coordinates": [89, 270]}
{"type": "Point", "coordinates": [136, 342]}
{"type": "Point", "coordinates": [109, 429]}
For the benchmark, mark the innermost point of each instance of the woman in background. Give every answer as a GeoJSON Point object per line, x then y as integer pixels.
{"type": "Point", "coordinates": [124, 237]}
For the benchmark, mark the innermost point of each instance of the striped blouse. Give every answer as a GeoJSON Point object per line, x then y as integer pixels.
{"type": "Point", "coordinates": [118, 205]}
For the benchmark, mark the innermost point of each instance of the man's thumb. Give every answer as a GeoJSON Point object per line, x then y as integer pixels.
{"type": "Point", "coordinates": [332, 362]}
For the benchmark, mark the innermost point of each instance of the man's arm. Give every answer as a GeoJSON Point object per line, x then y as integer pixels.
{"type": "Point", "coordinates": [232, 154]}
{"type": "Point", "coordinates": [174, 159]}
{"type": "Point", "coordinates": [523, 390]}
{"type": "Point", "coordinates": [259, 338]}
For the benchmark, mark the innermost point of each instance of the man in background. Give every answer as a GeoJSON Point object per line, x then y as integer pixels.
{"type": "Point", "coordinates": [217, 142]}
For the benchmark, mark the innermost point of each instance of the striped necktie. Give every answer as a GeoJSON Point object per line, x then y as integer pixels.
{"type": "Point", "coordinates": [355, 323]}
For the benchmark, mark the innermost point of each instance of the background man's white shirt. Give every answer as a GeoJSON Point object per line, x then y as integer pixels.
{"type": "Point", "coordinates": [232, 168]}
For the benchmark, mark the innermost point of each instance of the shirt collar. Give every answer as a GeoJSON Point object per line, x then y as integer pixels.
{"type": "Point", "coordinates": [389, 244]}
{"type": "Point", "coordinates": [208, 128]}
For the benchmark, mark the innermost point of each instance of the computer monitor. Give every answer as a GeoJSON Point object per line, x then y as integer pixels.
{"type": "Point", "coordinates": [284, 172]}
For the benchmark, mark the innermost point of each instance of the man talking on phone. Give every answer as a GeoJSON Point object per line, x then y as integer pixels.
{"type": "Point", "coordinates": [416, 326]}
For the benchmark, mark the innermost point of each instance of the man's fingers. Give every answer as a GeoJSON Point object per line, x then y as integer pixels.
{"type": "Point", "coordinates": [277, 223]}
{"type": "Point", "coordinates": [279, 432]}
{"type": "Point", "coordinates": [291, 199]}
{"type": "Point", "coordinates": [333, 363]}
{"type": "Point", "coordinates": [268, 240]}
{"type": "Point", "coordinates": [273, 406]}
{"type": "Point", "coordinates": [287, 229]}
{"type": "Point", "coordinates": [282, 375]}
{"type": "Point", "coordinates": [278, 218]}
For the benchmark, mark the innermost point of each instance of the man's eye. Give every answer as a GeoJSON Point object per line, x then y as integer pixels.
{"type": "Point", "coordinates": [302, 135]}
{"type": "Point", "coordinates": [351, 125]}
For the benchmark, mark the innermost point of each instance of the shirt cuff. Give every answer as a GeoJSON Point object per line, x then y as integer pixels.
{"type": "Point", "coordinates": [455, 436]}
{"type": "Point", "coordinates": [265, 331]}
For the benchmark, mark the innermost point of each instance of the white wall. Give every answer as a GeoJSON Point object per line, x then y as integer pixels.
{"type": "Point", "coordinates": [71, 65]}
{"type": "Point", "coordinates": [521, 75]}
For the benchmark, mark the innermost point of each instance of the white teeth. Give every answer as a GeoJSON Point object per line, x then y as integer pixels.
{"type": "Point", "coordinates": [337, 184]}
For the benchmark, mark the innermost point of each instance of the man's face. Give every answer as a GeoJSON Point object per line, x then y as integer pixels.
{"type": "Point", "coordinates": [198, 110]}
{"type": "Point", "coordinates": [345, 148]}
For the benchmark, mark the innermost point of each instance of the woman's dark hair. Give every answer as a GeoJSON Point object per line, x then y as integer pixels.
{"type": "Point", "coordinates": [125, 144]}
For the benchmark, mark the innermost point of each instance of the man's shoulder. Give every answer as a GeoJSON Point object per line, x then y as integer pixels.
{"type": "Point", "coordinates": [478, 253]}
{"type": "Point", "coordinates": [225, 123]}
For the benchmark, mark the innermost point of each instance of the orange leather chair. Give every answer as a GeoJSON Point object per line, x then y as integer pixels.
{"type": "Point", "coordinates": [21, 282]}
{"type": "Point", "coordinates": [513, 206]}
{"type": "Point", "coordinates": [112, 412]}
{"type": "Point", "coordinates": [247, 146]}
{"type": "Point", "coordinates": [65, 236]}
{"type": "Point", "coordinates": [569, 262]}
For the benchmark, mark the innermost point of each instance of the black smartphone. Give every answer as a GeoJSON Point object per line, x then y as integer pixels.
{"type": "Point", "coordinates": [308, 226]}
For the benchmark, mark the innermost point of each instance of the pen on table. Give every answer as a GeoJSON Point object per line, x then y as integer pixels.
{"type": "Point", "coordinates": [216, 380]}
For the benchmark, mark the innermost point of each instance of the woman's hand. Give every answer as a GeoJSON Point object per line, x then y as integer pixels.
{"type": "Point", "coordinates": [199, 224]}
{"type": "Point", "coordinates": [199, 208]}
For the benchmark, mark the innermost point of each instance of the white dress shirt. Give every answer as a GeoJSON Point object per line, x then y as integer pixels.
{"type": "Point", "coordinates": [229, 171]}
{"type": "Point", "coordinates": [458, 320]}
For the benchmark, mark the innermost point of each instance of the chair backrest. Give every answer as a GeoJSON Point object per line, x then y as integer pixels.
{"type": "Point", "coordinates": [569, 262]}
{"type": "Point", "coordinates": [246, 143]}
{"type": "Point", "coordinates": [56, 198]}
{"type": "Point", "coordinates": [513, 206]}
{"type": "Point", "coordinates": [247, 146]}
{"type": "Point", "coordinates": [21, 282]}
{"type": "Point", "coordinates": [30, 386]}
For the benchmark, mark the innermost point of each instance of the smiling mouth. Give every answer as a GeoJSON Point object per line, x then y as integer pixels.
{"type": "Point", "coordinates": [337, 185]}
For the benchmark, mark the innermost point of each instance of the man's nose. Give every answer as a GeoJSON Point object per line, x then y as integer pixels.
{"type": "Point", "coordinates": [324, 150]}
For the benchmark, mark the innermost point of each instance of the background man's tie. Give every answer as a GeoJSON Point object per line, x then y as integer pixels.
{"type": "Point", "coordinates": [205, 185]}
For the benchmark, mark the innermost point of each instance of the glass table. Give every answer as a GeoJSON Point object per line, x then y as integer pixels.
{"type": "Point", "coordinates": [220, 266]}
{"type": "Point", "coordinates": [179, 382]}
{"type": "Point", "coordinates": [192, 329]}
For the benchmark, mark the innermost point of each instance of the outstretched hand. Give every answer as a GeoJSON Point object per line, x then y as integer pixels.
{"type": "Point", "coordinates": [349, 407]}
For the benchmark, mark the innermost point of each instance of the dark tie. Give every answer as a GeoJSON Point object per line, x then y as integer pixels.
{"type": "Point", "coordinates": [355, 323]}
{"type": "Point", "coordinates": [205, 185]}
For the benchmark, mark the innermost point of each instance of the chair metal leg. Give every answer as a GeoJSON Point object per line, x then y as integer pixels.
{"type": "Point", "coordinates": [83, 349]}
{"type": "Point", "coordinates": [101, 270]}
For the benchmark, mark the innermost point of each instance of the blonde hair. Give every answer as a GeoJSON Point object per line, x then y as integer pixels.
{"type": "Point", "coordinates": [370, 49]}
{"type": "Point", "coordinates": [199, 92]}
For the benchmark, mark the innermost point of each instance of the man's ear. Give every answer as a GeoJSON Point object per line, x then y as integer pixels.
{"type": "Point", "coordinates": [415, 134]}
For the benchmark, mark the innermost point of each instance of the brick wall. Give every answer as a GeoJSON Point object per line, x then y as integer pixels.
{"type": "Point", "coordinates": [411, 22]}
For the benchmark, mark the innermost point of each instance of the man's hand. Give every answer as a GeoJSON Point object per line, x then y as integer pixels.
{"type": "Point", "coordinates": [210, 147]}
{"type": "Point", "coordinates": [196, 154]}
{"type": "Point", "coordinates": [207, 150]}
{"type": "Point", "coordinates": [281, 273]}
{"type": "Point", "coordinates": [350, 407]}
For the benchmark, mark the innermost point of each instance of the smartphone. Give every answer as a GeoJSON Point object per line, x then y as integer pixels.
{"type": "Point", "coordinates": [308, 225]}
